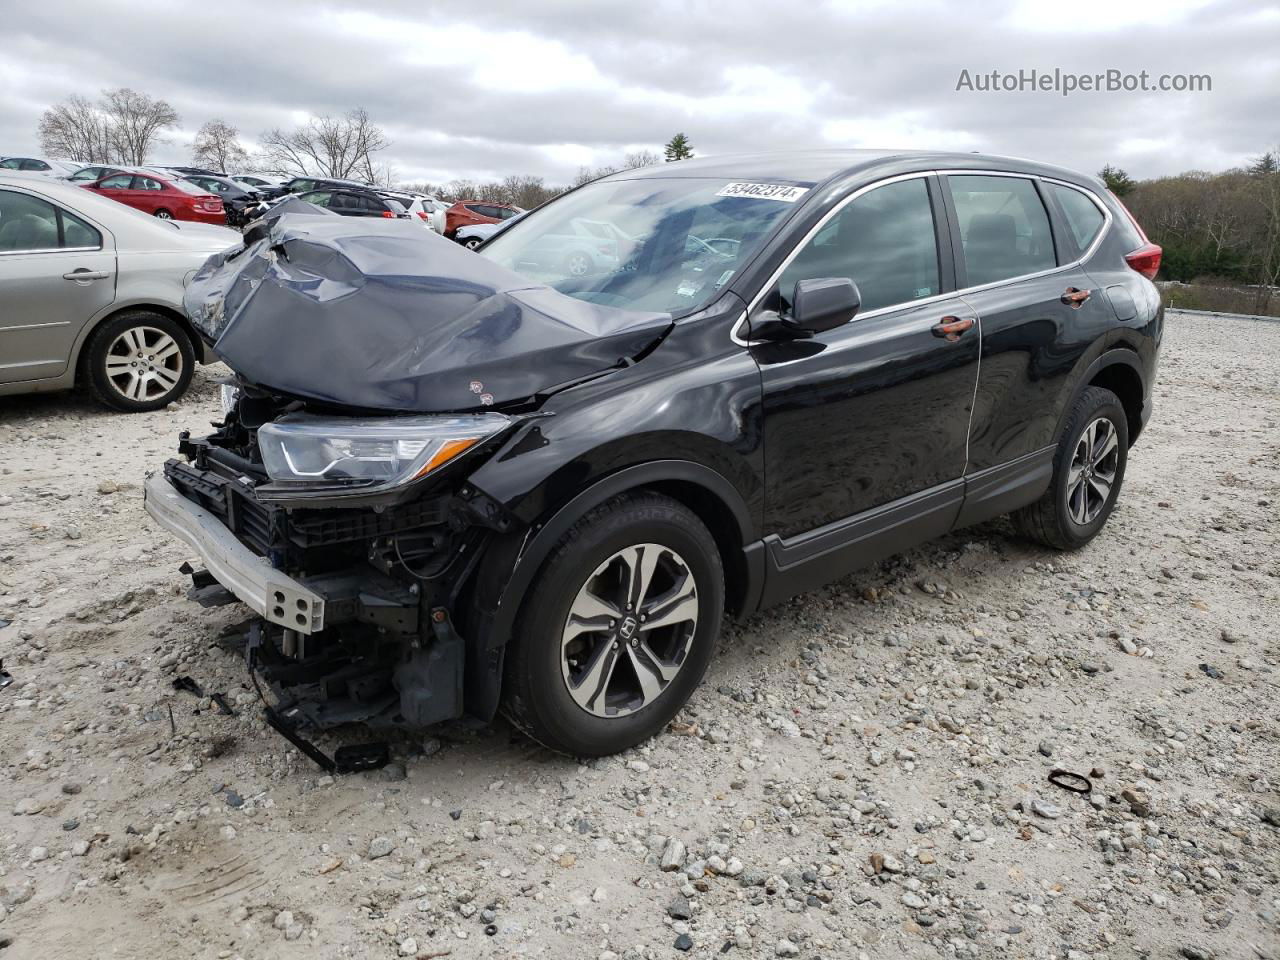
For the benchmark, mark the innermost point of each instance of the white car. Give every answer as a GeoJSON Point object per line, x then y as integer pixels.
{"type": "Point", "coordinates": [422, 207]}
{"type": "Point", "coordinates": [91, 292]}
{"type": "Point", "coordinates": [40, 165]}
{"type": "Point", "coordinates": [256, 180]}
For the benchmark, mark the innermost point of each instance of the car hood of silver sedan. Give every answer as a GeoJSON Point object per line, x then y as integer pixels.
{"type": "Point", "coordinates": [388, 316]}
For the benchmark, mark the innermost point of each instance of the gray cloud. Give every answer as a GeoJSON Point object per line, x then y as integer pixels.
{"type": "Point", "coordinates": [482, 90]}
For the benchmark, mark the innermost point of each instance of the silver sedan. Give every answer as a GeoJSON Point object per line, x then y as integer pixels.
{"type": "Point", "coordinates": [91, 293]}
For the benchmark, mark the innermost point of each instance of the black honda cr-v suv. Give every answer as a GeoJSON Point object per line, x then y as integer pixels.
{"type": "Point", "coordinates": [449, 482]}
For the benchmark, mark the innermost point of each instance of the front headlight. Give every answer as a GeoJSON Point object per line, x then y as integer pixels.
{"type": "Point", "coordinates": [365, 452]}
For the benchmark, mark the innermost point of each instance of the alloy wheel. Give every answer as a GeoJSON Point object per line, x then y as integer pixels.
{"type": "Point", "coordinates": [578, 264]}
{"type": "Point", "coordinates": [629, 629]}
{"type": "Point", "coordinates": [1092, 472]}
{"type": "Point", "coordinates": [164, 215]}
{"type": "Point", "coordinates": [144, 363]}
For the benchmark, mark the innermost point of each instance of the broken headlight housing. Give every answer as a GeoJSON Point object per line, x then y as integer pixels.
{"type": "Point", "coordinates": [336, 453]}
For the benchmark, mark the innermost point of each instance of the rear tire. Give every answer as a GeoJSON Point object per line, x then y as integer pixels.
{"type": "Point", "coordinates": [584, 675]}
{"type": "Point", "coordinates": [163, 214]}
{"type": "Point", "coordinates": [1091, 457]}
{"type": "Point", "coordinates": [472, 243]}
{"type": "Point", "coordinates": [138, 361]}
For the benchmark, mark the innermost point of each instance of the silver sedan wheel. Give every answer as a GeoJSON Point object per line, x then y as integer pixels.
{"type": "Point", "coordinates": [629, 629]}
{"type": "Point", "coordinates": [1092, 472]}
{"type": "Point", "coordinates": [578, 264]}
{"type": "Point", "coordinates": [144, 363]}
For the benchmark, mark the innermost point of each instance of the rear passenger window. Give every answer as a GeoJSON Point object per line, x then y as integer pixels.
{"type": "Point", "coordinates": [1084, 219]}
{"type": "Point", "coordinates": [1004, 229]}
{"type": "Point", "coordinates": [884, 241]}
{"type": "Point", "coordinates": [77, 233]}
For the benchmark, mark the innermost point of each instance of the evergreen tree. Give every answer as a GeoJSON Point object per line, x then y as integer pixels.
{"type": "Point", "coordinates": [678, 148]}
{"type": "Point", "coordinates": [1117, 181]}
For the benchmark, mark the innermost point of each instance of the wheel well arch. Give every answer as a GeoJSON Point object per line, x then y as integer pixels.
{"type": "Point", "coordinates": [1121, 377]}
{"type": "Point", "coordinates": [721, 523]}
{"type": "Point", "coordinates": [507, 570]}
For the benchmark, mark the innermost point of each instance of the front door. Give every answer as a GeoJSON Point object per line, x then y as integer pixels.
{"type": "Point", "coordinates": [56, 273]}
{"type": "Point", "coordinates": [870, 418]}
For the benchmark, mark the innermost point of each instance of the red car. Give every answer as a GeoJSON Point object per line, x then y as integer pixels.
{"type": "Point", "coordinates": [163, 198]}
{"type": "Point", "coordinates": [466, 213]}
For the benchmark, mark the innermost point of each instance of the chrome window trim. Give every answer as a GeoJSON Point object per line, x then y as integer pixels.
{"type": "Point", "coordinates": [19, 253]}
{"type": "Point", "coordinates": [735, 336]}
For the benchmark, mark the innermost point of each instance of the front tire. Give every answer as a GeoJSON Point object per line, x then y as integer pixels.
{"type": "Point", "coordinates": [618, 628]}
{"type": "Point", "coordinates": [472, 243]}
{"type": "Point", "coordinates": [1088, 470]}
{"type": "Point", "coordinates": [163, 214]}
{"type": "Point", "coordinates": [138, 361]}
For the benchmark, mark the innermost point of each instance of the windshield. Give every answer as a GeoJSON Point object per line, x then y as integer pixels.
{"type": "Point", "coordinates": [656, 244]}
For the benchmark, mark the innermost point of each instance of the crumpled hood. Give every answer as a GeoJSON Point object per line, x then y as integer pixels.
{"type": "Point", "coordinates": [384, 315]}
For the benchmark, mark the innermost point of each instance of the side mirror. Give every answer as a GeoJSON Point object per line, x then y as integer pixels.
{"type": "Point", "coordinates": [823, 304]}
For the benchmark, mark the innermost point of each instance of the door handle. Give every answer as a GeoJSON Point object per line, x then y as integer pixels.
{"type": "Point", "coordinates": [84, 274]}
{"type": "Point", "coordinates": [1075, 297]}
{"type": "Point", "coordinates": [951, 328]}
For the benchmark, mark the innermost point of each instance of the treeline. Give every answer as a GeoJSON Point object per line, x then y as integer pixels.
{"type": "Point", "coordinates": [1214, 227]}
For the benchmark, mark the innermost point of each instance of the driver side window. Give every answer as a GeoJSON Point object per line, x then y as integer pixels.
{"type": "Point", "coordinates": [884, 241]}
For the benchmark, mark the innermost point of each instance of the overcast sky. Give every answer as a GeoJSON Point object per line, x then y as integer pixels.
{"type": "Point", "coordinates": [484, 89]}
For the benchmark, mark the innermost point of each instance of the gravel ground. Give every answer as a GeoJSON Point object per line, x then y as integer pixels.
{"type": "Point", "coordinates": [863, 774]}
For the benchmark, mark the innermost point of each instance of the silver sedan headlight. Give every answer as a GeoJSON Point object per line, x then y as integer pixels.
{"type": "Point", "coordinates": [379, 453]}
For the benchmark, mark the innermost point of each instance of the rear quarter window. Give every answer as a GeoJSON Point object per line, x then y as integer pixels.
{"type": "Point", "coordinates": [1083, 217]}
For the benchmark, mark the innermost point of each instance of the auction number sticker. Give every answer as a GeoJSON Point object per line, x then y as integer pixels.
{"type": "Point", "coordinates": [763, 191]}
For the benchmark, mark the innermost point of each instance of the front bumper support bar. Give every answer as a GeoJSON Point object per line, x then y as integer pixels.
{"type": "Point", "coordinates": [276, 596]}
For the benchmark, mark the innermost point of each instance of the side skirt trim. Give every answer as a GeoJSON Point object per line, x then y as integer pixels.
{"type": "Point", "coordinates": [809, 560]}
{"type": "Point", "coordinates": [1007, 486]}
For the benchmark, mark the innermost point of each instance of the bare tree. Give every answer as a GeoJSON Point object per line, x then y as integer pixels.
{"type": "Point", "coordinates": [641, 158]}
{"type": "Point", "coordinates": [456, 190]}
{"type": "Point", "coordinates": [217, 145]}
{"type": "Point", "coordinates": [76, 130]}
{"type": "Point", "coordinates": [327, 146]}
{"type": "Point", "coordinates": [136, 121]}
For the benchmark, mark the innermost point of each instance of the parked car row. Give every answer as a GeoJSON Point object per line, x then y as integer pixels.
{"type": "Point", "coordinates": [244, 195]}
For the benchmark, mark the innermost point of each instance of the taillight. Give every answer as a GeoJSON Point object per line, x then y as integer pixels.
{"type": "Point", "coordinates": [424, 216]}
{"type": "Point", "coordinates": [388, 214]}
{"type": "Point", "coordinates": [1146, 260]}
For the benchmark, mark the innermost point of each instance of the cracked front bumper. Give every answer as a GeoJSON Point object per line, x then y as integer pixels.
{"type": "Point", "coordinates": [276, 596]}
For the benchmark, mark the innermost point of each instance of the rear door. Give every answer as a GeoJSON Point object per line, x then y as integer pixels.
{"type": "Point", "coordinates": [874, 412]}
{"type": "Point", "coordinates": [57, 272]}
{"type": "Point", "coordinates": [1038, 310]}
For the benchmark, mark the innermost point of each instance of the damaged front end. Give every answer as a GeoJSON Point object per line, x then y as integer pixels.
{"type": "Point", "coordinates": [376, 369]}
{"type": "Point", "coordinates": [354, 600]}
